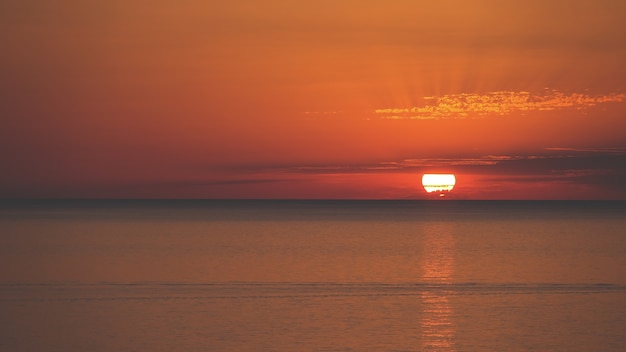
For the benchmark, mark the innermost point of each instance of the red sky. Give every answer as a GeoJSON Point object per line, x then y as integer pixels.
{"type": "Point", "coordinates": [312, 99]}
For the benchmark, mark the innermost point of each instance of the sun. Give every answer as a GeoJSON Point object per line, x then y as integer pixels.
{"type": "Point", "coordinates": [438, 182]}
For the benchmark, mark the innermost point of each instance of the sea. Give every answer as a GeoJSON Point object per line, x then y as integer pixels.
{"type": "Point", "coordinates": [286, 275]}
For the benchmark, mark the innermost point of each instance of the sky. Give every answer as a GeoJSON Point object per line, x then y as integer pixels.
{"type": "Point", "coordinates": [312, 99]}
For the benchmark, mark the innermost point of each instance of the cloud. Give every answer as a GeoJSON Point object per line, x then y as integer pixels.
{"type": "Point", "coordinates": [469, 105]}
{"type": "Point", "coordinates": [600, 166]}
{"type": "Point", "coordinates": [578, 172]}
{"type": "Point", "coordinates": [606, 181]}
{"type": "Point", "coordinates": [619, 151]}
{"type": "Point", "coordinates": [398, 165]}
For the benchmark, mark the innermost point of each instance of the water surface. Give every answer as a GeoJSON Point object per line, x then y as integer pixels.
{"type": "Point", "coordinates": [312, 276]}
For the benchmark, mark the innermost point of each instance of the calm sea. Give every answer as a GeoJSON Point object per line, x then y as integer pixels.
{"type": "Point", "coordinates": [312, 276]}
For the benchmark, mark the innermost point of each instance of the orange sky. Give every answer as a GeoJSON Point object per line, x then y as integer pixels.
{"type": "Point", "coordinates": [312, 99]}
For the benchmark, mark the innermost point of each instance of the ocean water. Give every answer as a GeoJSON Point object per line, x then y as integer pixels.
{"type": "Point", "coordinates": [312, 276]}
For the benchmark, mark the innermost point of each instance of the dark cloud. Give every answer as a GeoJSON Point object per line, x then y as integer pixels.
{"type": "Point", "coordinates": [546, 162]}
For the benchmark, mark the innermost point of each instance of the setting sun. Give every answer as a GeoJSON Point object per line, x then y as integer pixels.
{"type": "Point", "coordinates": [438, 182]}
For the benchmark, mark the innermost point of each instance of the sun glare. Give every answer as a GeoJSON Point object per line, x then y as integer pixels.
{"type": "Point", "coordinates": [438, 182]}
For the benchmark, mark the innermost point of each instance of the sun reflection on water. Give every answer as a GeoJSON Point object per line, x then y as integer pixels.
{"type": "Point", "coordinates": [438, 266]}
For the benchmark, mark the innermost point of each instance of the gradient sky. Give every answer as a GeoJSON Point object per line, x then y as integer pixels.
{"type": "Point", "coordinates": [312, 99]}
